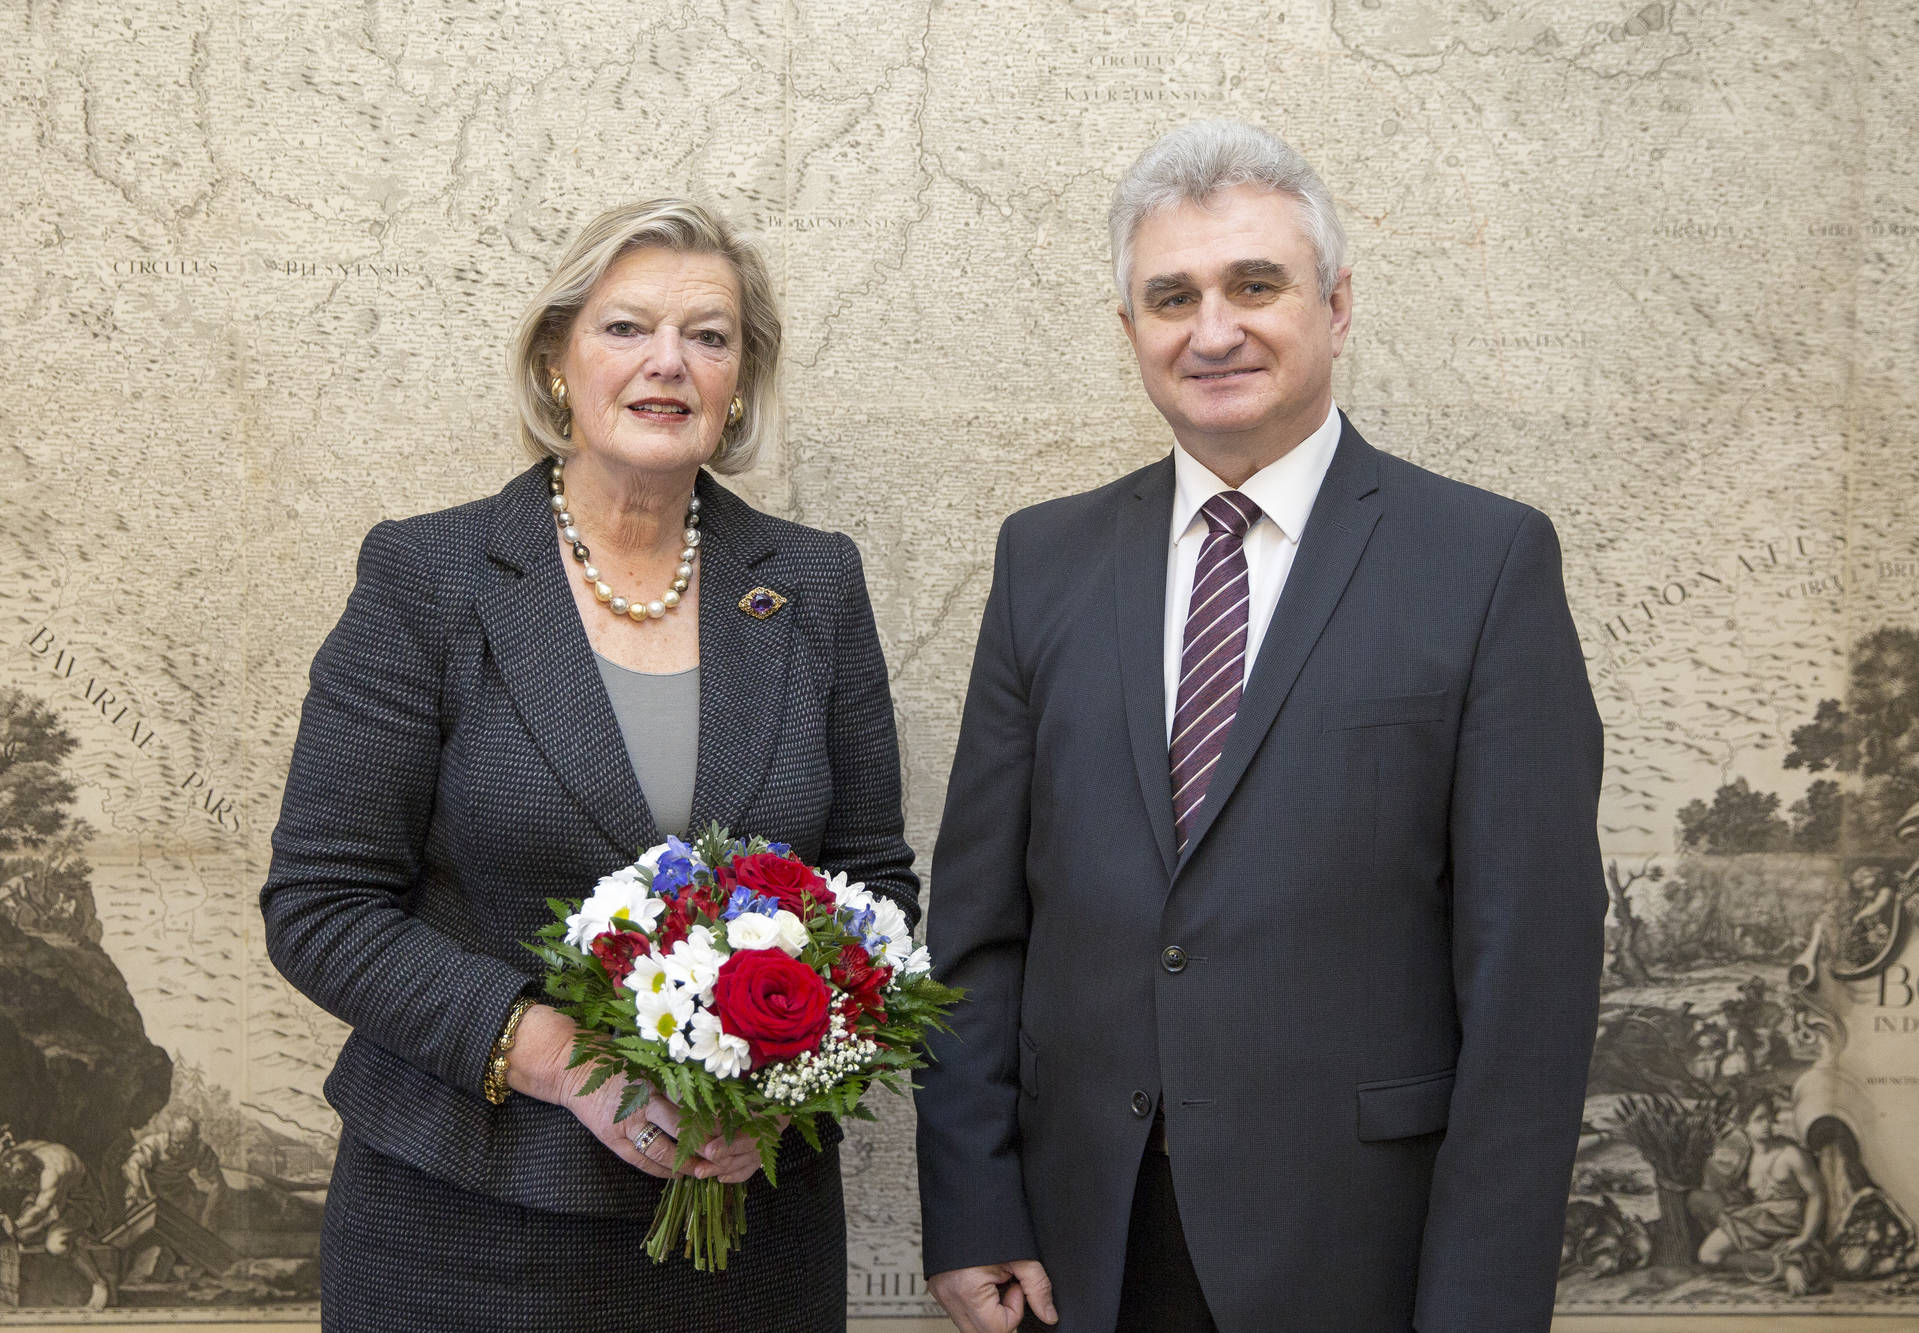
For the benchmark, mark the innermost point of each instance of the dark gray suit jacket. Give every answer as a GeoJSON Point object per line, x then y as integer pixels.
{"type": "Point", "coordinates": [1372, 1052]}
{"type": "Point", "coordinates": [459, 763]}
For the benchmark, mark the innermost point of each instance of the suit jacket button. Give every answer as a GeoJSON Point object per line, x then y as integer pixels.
{"type": "Point", "coordinates": [1173, 958]}
{"type": "Point", "coordinates": [1142, 1105]}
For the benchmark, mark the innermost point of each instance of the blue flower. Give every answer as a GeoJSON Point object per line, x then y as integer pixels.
{"type": "Point", "coordinates": [779, 848]}
{"type": "Point", "coordinates": [675, 870]}
{"type": "Point", "coordinates": [744, 900]}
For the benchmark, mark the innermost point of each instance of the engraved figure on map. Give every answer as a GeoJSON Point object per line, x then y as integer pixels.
{"type": "Point", "coordinates": [1602, 1240]}
{"type": "Point", "coordinates": [1773, 1235]}
{"type": "Point", "coordinates": [164, 1165]}
{"type": "Point", "coordinates": [1756, 1073]}
{"type": "Point", "coordinates": [49, 1200]}
{"type": "Point", "coordinates": [1857, 1100]}
{"type": "Point", "coordinates": [1868, 920]}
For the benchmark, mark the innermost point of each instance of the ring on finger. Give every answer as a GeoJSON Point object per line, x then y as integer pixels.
{"type": "Point", "coordinates": [644, 1139]}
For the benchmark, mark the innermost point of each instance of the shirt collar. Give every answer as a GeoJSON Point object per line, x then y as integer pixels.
{"type": "Point", "coordinates": [1284, 490]}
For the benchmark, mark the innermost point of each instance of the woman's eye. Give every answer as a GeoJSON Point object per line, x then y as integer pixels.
{"type": "Point", "coordinates": [622, 328]}
{"type": "Point", "coordinates": [710, 337]}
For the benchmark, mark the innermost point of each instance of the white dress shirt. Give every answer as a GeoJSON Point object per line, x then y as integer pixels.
{"type": "Point", "coordinates": [1284, 491]}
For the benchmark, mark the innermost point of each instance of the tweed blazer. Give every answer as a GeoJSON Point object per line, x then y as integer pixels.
{"type": "Point", "coordinates": [458, 763]}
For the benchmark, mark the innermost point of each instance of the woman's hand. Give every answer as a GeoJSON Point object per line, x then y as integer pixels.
{"type": "Point", "coordinates": [536, 1066]}
{"type": "Point", "coordinates": [733, 1159]}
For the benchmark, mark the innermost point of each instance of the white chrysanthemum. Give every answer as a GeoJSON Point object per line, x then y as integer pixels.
{"type": "Point", "coordinates": [725, 1055]}
{"type": "Point", "coordinates": [837, 886]}
{"type": "Point", "coordinates": [890, 920]}
{"type": "Point", "coordinates": [617, 897]}
{"type": "Point", "coordinates": [750, 930]}
{"type": "Point", "coordinates": [918, 963]}
{"type": "Point", "coordinates": [650, 858]}
{"type": "Point", "coordinates": [889, 923]}
{"type": "Point", "coordinates": [647, 976]}
{"type": "Point", "coordinates": [792, 932]}
{"type": "Point", "coordinates": [677, 1046]}
{"type": "Point", "coordinates": [660, 1014]}
{"type": "Point", "coordinates": [694, 962]}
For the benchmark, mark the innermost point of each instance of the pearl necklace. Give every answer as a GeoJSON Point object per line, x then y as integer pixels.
{"type": "Point", "coordinates": [620, 606]}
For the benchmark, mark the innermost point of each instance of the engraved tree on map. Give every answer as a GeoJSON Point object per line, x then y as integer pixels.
{"type": "Point", "coordinates": [1756, 1050]}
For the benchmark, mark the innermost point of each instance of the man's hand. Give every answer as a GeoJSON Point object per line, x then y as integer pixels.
{"type": "Point", "coordinates": [993, 1299]}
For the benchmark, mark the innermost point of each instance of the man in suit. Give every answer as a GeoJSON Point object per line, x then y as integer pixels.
{"type": "Point", "coordinates": [1269, 860]}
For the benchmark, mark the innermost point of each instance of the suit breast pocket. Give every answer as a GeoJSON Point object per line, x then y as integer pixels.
{"type": "Point", "coordinates": [1387, 711]}
{"type": "Point", "coordinates": [1401, 1108]}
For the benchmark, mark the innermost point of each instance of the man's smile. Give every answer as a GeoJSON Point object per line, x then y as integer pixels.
{"type": "Point", "coordinates": [1219, 376]}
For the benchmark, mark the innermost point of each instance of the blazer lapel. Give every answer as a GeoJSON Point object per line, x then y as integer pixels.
{"type": "Point", "coordinates": [534, 631]}
{"type": "Point", "coordinates": [1140, 585]}
{"type": "Point", "coordinates": [1336, 535]}
{"type": "Point", "coordinates": [743, 662]}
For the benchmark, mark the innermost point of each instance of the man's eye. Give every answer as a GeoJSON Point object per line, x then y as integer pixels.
{"type": "Point", "coordinates": [1169, 302]}
{"type": "Point", "coordinates": [1257, 288]}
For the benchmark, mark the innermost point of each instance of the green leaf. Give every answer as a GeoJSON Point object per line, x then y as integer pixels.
{"type": "Point", "coordinates": [632, 1099]}
{"type": "Point", "coordinates": [597, 1079]}
{"type": "Point", "coordinates": [809, 1130]}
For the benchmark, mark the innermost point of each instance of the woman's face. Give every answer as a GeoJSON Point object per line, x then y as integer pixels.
{"type": "Point", "coordinates": [653, 360]}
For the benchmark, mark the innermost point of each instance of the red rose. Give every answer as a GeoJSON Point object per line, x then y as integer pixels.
{"type": "Point", "coordinates": [778, 1004]}
{"type": "Point", "coordinates": [781, 878]}
{"type": "Point", "coordinates": [616, 950]}
{"type": "Point", "coordinates": [862, 982]}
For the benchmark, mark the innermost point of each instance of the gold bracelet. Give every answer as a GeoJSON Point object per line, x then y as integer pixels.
{"type": "Point", "coordinates": [495, 1085]}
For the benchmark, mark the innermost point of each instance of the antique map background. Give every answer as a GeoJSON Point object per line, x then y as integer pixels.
{"type": "Point", "coordinates": [1654, 268]}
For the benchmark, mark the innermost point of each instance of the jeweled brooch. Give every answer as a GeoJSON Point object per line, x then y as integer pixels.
{"type": "Point", "coordinates": [761, 603]}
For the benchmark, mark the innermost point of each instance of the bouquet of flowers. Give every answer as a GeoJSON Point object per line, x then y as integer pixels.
{"type": "Point", "coordinates": [747, 987]}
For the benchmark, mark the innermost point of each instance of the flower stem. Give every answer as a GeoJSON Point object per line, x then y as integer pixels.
{"type": "Point", "coordinates": [705, 1218]}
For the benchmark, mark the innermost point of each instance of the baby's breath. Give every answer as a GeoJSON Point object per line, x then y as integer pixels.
{"type": "Point", "coordinates": [840, 1055]}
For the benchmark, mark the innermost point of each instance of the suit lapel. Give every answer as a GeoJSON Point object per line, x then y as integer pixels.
{"type": "Point", "coordinates": [541, 648]}
{"type": "Point", "coordinates": [1336, 535]}
{"type": "Point", "coordinates": [743, 662]}
{"type": "Point", "coordinates": [1139, 586]}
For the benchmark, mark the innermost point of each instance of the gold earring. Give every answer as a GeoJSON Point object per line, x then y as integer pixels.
{"type": "Point", "coordinates": [557, 387]}
{"type": "Point", "coordinates": [734, 411]}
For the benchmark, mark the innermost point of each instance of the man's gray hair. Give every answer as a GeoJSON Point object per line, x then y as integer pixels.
{"type": "Point", "coordinates": [1196, 161]}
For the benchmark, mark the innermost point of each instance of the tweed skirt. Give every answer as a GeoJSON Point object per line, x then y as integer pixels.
{"type": "Point", "coordinates": [401, 1249]}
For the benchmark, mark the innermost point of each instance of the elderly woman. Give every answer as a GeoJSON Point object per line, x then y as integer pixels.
{"type": "Point", "coordinates": [522, 693]}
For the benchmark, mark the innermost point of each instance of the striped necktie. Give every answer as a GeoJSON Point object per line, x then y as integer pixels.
{"type": "Point", "coordinates": [1212, 664]}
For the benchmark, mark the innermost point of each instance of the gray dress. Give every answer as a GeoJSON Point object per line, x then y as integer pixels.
{"type": "Point", "coordinates": [659, 717]}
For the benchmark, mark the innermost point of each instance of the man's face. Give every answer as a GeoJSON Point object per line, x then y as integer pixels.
{"type": "Point", "coordinates": [1235, 347]}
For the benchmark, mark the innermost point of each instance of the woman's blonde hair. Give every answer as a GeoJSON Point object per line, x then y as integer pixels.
{"type": "Point", "coordinates": [675, 224]}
